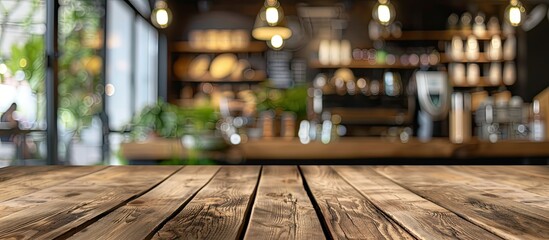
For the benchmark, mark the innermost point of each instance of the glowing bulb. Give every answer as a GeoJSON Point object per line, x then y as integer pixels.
{"type": "Point", "coordinates": [277, 41]}
{"type": "Point", "coordinates": [383, 13]}
{"type": "Point", "coordinates": [514, 13]}
{"type": "Point", "coordinates": [514, 16]}
{"type": "Point", "coordinates": [162, 17]}
{"type": "Point", "coordinates": [271, 15]}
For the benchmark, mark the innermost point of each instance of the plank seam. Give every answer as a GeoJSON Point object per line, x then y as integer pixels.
{"type": "Point", "coordinates": [178, 210]}
{"type": "Point", "coordinates": [251, 203]}
{"type": "Point", "coordinates": [84, 225]}
{"type": "Point", "coordinates": [377, 208]}
{"type": "Point", "coordinates": [316, 206]}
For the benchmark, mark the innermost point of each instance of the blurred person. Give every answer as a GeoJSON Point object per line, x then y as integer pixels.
{"type": "Point", "coordinates": [8, 120]}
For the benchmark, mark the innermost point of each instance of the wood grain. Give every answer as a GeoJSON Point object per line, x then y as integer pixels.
{"type": "Point", "coordinates": [422, 218]}
{"type": "Point", "coordinates": [496, 213]}
{"type": "Point", "coordinates": [11, 172]}
{"type": "Point", "coordinates": [218, 211]}
{"type": "Point", "coordinates": [347, 214]}
{"type": "Point", "coordinates": [141, 217]}
{"type": "Point", "coordinates": [511, 176]}
{"type": "Point", "coordinates": [282, 209]}
{"type": "Point", "coordinates": [488, 185]}
{"type": "Point", "coordinates": [30, 183]}
{"type": "Point", "coordinates": [57, 210]}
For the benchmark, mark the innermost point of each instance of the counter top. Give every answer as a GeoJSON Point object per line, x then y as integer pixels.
{"type": "Point", "coordinates": [347, 148]}
{"type": "Point", "coordinates": [274, 202]}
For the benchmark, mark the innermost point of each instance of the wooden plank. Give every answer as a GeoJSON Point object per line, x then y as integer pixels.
{"type": "Point", "coordinates": [11, 172]}
{"type": "Point", "coordinates": [495, 213]}
{"type": "Point", "coordinates": [347, 214]}
{"type": "Point", "coordinates": [422, 218]}
{"type": "Point", "coordinates": [218, 211]}
{"type": "Point", "coordinates": [30, 183]}
{"type": "Point", "coordinates": [141, 217]}
{"type": "Point", "coordinates": [282, 209]}
{"type": "Point", "coordinates": [489, 186]}
{"type": "Point", "coordinates": [57, 210]}
{"type": "Point", "coordinates": [511, 176]}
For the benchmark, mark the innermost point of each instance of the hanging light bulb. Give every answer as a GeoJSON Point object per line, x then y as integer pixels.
{"type": "Point", "coordinates": [161, 15]}
{"type": "Point", "coordinates": [384, 12]}
{"type": "Point", "coordinates": [270, 22]}
{"type": "Point", "coordinates": [515, 13]}
{"type": "Point", "coordinates": [271, 15]}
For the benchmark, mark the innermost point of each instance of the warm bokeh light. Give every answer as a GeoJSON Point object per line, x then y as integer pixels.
{"type": "Point", "coordinates": [277, 41]}
{"type": "Point", "coordinates": [162, 17]}
{"type": "Point", "coordinates": [383, 13]}
{"type": "Point", "coordinates": [271, 15]}
{"type": "Point", "coordinates": [514, 16]}
{"type": "Point", "coordinates": [109, 89]}
{"type": "Point", "coordinates": [515, 13]}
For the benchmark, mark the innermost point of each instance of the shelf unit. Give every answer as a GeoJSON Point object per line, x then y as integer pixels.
{"type": "Point", "coordinates": [185, 88]}
{"type": "Point", "coordinates": [482, 58]}
{"type": "Point", "coordinates": [361, 64]}
{"type": "Point", "coordinates": [482, 82]}
{"type": "Point", "coordinates": [185, 47]}
{"type": "Point", "coordinates": [442, 35]}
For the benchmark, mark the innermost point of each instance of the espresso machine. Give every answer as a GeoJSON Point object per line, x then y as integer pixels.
{"type": "Point", "coordinates": [433, 93]}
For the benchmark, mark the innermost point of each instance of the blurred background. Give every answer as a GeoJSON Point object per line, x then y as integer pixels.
{"type": "Point", "coordinates": [86, 82]}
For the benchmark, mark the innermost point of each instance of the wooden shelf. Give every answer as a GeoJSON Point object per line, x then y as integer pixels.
{"type": "Point", "coordinates": [482, 58]}
{"type": "Point", "coordinates": [483, 82]}
{"type": "Point", "coordinates": [226, 81]}
{"type": "Point", "coordinates": [362, 64]}
{"type": "Point", "coordinates": [442, 35]}
{"type": "Point", "coordinates": [185, 47]}
{"type": "Point", "coordinates": [260, 76]}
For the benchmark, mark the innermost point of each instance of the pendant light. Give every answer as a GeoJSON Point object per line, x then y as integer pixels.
{"type": "Point", "coordinates": [161, 15]}
{"type": "Point", "coordinates": [515, 13]}
{"type": "Point", "coordinates": [384, 12]}
{"type": "Point", "coordinates": [270, 24]}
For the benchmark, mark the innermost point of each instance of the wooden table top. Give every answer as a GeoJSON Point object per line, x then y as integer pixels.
{"type": "Point", "coordinates": [345, 148]}
{"type": "Point", "coordinates": [274, 202]}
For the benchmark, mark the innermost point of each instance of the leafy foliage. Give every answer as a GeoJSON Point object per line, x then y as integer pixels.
{"type": "Point", "coordinates": [292, 100]}
{"type": "Point", "coordinates": [80, 86]}
{"type": "Point", "coordinates": [29, 57]}
{"type": "Point", "coordinates": [171, 121]}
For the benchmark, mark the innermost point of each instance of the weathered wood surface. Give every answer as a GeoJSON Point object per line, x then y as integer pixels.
{"type": "Point", "coordinates": [141, 217]}
{"type": "Point", "coordinates": [275, 202]}
{"type": "Point", "coordinates": [42, 179]}
{"type": "Point", "coordinates": [55, 211]}
{"type": "Point", "coordinates": [422, 218]}
{"type": "Point", "coordinates": [282, 209]}
{"type": "Point", "coordinates": [219, 210]}
{"type": "Point", "coordinates": [499, 214]}
{"type": "Point", "coordinates": [347, 213]}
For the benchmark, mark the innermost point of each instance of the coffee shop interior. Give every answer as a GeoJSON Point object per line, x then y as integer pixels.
{"type": "Point", "coordinates": [147, 82]}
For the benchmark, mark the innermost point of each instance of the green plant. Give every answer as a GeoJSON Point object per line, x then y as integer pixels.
{"type": "Point", "coordinates": [280, 100]}
{"type": "Point", "coordinates": [170, 121]}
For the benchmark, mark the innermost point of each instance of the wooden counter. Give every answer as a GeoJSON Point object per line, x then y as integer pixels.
{"type": "Point", "coordinates": [274, 202]}
{"type": "Point", "coordinates": [347, 148]}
